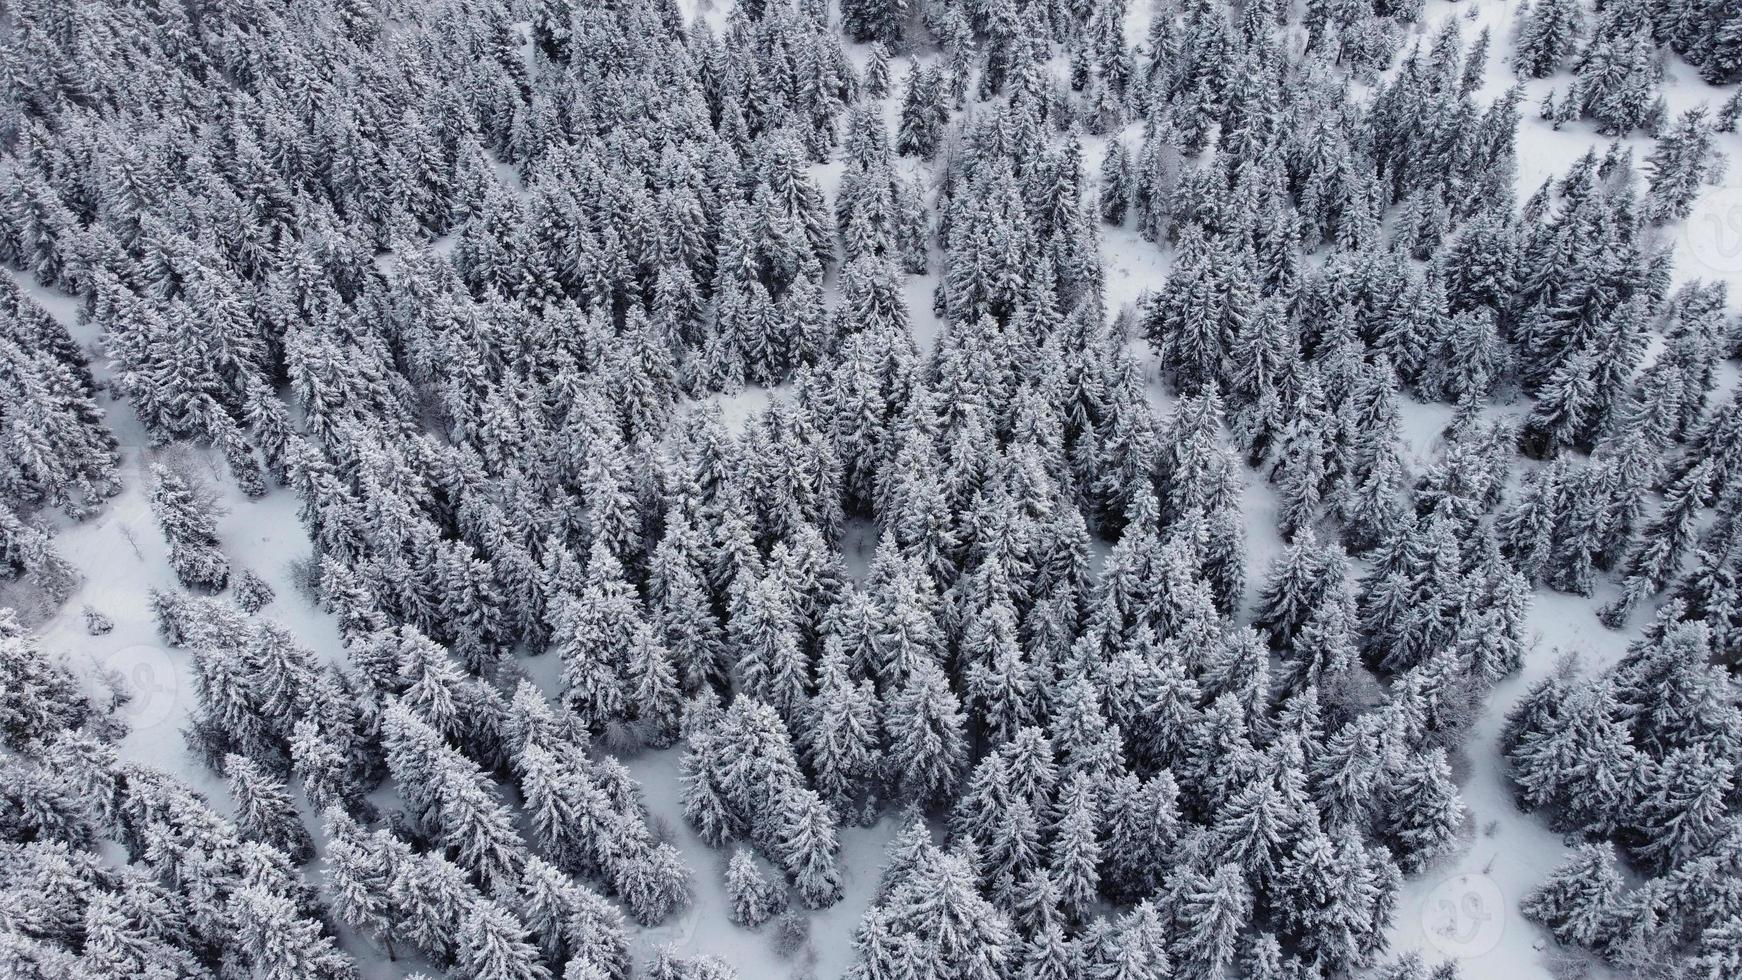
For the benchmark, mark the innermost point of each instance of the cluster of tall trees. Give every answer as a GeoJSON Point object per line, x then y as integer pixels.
{"type": "Point", "coordinates": [1615, 53]}
{"type": "Point", "coordinates": [56, 455]}
{"type": "Point", "coordinates": [1640, 759]}
{"type": "Point", "coordinates": [199, 895]}
{"type": "Point", "coordinates": [468, 292]}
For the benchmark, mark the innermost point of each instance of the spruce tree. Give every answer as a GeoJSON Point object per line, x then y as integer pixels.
{"type": "Point", "coordinates": [188, 530]}
{"type": "Point", "coordinates": [264, 810]}
{"type": "Point", "coordinates": [1546, 37]}
{"type": "Point", "coordinates": [754, 898]}
{"type": "Point", "coordinates": [1683, 160]}
{"type": "Point", "coordinates": [1423, 813]}
{"type": "Point", "coordinates": [1212, 913]}
{"type": "Point", "coordinates": [807, 845]}
{"type": "Point", "coordinates": [1075, 858]}
{"type": "Point", "coordinates": [1576, 902]}
{"type": "Point", "coordinates": [874, 20]}
{"type": "Point", "coordinates": [926, 732]}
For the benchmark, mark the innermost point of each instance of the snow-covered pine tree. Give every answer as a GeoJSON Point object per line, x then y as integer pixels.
{"type": "Point", "coordinates": [264, 810]}
{"type": "Point", "coordinates": [754, 898]}
{"type": "Point", "coordinates": [188, 530]}
{"type": "Point", "coordinates": [1682, 161]}
{"type": "Point", "coordinates": [925, 729]}
{"type": "Point", "coordinates": [1577, 902]}
{"type": "Point", "coordinates": [1546, 37]}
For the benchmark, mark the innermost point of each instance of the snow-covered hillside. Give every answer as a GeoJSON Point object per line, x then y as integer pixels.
{"type": "Point", "coordinates": [963, 489]}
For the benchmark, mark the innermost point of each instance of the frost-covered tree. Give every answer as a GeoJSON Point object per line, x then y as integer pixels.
{"type": "Point", "coordinates": [1683, 160]}
{"type": "Point", "coordinates": [926, 731]}
{"type": "Point", "coordinates": [1616, 82]}
{"type": "Point", "coordinates": [807, 846]}
{"type": "Point", "coordinates": [1578, 900]}
{"type": "Point", "coordinates": [186, 523]}
{"type": "Point", "coordinates": [932, 920]}
{"type": "Point", "coordinates": [264, 810]}
{"type": "Point", "coordinates": [754, 898]}
{"type": "Point", "coordinates": [1423, 811]}
{"type": "Point", "coordinates": [1546, 37]}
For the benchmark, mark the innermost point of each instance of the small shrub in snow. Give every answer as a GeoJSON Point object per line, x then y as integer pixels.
{"type": "Point", "coordinates": [252, 592]}
{"type": "Point", "coordinates": [668, 965]}
{"type": "Point", "coordinates": [792, 933]}
{"type": "Point", "coordinates": [96, 623]}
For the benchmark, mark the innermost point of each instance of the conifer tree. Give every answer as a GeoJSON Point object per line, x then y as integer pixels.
{"type": "Point", "coordinates": [806, 842]}
{"type": "Point", "coordinates": [874, 20]}
{"type": "Point", "coordinates": [653, 689]}
{"type": "Point", "coordinates": [841, 738]}
{"type": "Point", "coordinates": [1075, 858]}
{"type": "Point", "coordinates": [754, 898]}
{"type": "Point", "coordinates": [1546, 37]}
{"type": "Point", "coordinates": [1212, 912]}
{"type": "Point", "coordinates": [360, 870]}
{"type": "Point", "coordinates": [494, 944]}
{"type": "Point", "coordinates": [926, 731]}
{"type": "Point", "coordinates": [876, 74]}
{"type": "Point", "coordinates": [264, 810]}
{"type": "Point", "coordinates": [923, 112]}
{"type": "Point", "coordinates": [279, 943]}
{"type": "Point", "coordinates": [1115, 183]}
{"type": "Point", "coordinates": [1423, 811]}
{"type": "Point", "coordinates": [595, 625]}
{"type": "Point", "coordinates": [933, 921]}
{"type": "Point", "coordinates": [1681, 809]}
{"type": "Point", "coordinates": [1577, 901]}
{"type": "Point", "coordinates": [1616, 82]}
{"type": "Point", "coordinates": [187, 528]}
{"type": "Point", "coordinates": [1682, 161]}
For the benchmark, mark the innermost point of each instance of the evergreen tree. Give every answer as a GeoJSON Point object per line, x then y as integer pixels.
{"type": "Point", "coordinates": [1115, 182]}
{"type": "Point", "coordinates": [933, 921]}
{"type": "Point", "coordinates": [1546, 37]}
{"type": "Point", "coordinates": [876, 74]}
{"type": "Point", "coordinates": [1566, 408]}
{"type": "Point", "coordinates": [841, 739]}
{"type": "Point", "coordinates": [923, 111]}
{"type": "Point", "coordinates": [1212, 913]}
{"type": "Point", "coordinates": [494, 944]}
{"type": "Point", "coordinates": [653, 689]}
{"type": "Point", "coordinates": [264, 811]}
{"type": "Point", "coordinates": [187, 528]}
{"type": "Point", "coordinates": [1075, 859]}
{"type": "Point", "coordinates": [595, 625]}
{"type": "Point", "coordinates": [926, 732]}
{"type": "Point", "coordinates": [1423, 812]}
{"type": "Point", "coordinates": [360, 871]}
{"type": "Point", "coordinates": [1578, 900]}
{"type": "Point", "coordinates": [1681, 810]}
{"type": "Point", "coordinates": [1682, 161]}
{"type": "Point", "coordinates": [754, 898]}
{"type": "Point", "coordinates": [279, 943]}
{"type": "Point", "coordinates": [1616, 82]}
{"type": "Point", "coordinates": [807, 846]}
{"type": "Point", "coordinates": [874, 20]}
